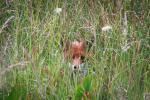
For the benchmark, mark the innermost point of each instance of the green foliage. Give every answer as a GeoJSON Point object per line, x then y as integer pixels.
{"type": "Point", "coordinates": [79, 93]}
{"type": "Point", "coordinates": [83, 88]}
{"type": "Point", "coordinates": [31, 55]}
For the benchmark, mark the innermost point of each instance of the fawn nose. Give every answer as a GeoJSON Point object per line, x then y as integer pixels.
{"type": "Point", "coordinates": [76, 63]}
{"type": "Point", "coordinates": [75, 67]}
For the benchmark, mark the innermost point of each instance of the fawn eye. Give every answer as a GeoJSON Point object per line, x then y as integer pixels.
{"type": "Point", "coordinates": [82, 58]}
{"type": "Point", "coordinates": [73, 56]}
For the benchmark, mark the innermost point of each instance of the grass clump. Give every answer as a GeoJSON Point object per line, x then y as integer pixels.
{"type": "Point", "coordinates": [31, 65]}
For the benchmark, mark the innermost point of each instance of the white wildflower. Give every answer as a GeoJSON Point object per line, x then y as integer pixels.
{"type": "Point", "coordinates": [125, 47]}
{"type": "Point", "coordinates": [58, 10]}
{"type": "Point", "coordinates": [106, 28]}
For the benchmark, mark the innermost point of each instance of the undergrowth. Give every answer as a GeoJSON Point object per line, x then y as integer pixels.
{"type": "Point", "coordinates": [31, 54]}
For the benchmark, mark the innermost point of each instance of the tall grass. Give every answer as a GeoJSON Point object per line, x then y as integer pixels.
{"type": "Point", "coordinates": [31, 61]}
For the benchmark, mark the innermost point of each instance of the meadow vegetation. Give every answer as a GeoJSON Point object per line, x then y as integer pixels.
{"type": "Point", "coordinates": [31, 54]}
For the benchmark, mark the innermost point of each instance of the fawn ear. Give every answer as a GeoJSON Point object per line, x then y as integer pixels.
{"type": "Point", "coordinates": [91, 43]}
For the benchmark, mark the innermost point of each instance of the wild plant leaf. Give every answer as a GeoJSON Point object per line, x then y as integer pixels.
{"type": "Point", "coordinates": [79, 93]}
{"type": "Point", "coordinates": [17, 92]}
{"type": "Point", "coordinates": [87, 83]}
